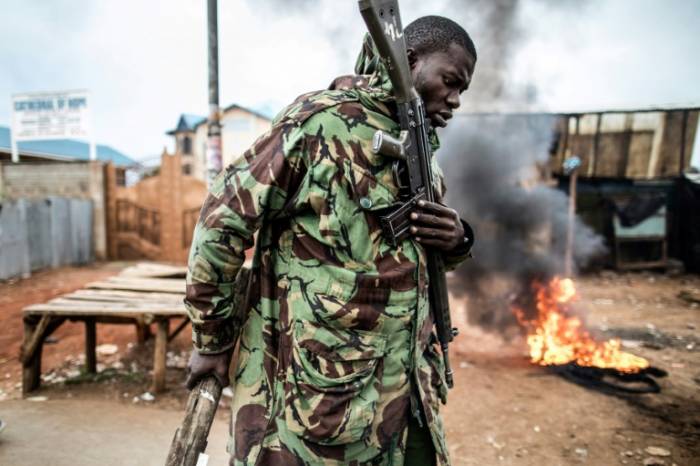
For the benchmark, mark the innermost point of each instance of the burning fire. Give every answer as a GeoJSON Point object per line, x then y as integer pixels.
{"type": "Point", "coordinates": [555, 338]}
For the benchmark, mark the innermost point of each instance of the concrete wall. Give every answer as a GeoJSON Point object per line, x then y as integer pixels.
{"type": "Point", "coordinates": [79, 180]}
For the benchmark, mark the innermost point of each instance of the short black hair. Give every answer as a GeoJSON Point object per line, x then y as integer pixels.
{"type": "Point", "coordinates": [430, 34]}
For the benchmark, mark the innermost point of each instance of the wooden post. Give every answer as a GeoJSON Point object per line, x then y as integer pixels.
{"type": "Point", "coordinates": [143, 332]}
{"type": "Point", "coordinates": [569, 257]}
{"type": "Point", "coordinates": [35, 332]}
{"type": "Point", "coordinates": [110, 179]}
{"type": "Point", "coordinates": [90, 346]}
{"type": "Point", "coordinates": [31, 357]}
{"type": "Point", "coordinates": [161, 347]}
{"type": "Point", "coordinates": [191, 437]}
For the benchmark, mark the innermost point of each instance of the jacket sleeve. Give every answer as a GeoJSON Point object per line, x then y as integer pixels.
{"type": "Point", "coordinates": [455, 257]}
{"type": "Point", "coordinates": [462, 251]}
{"type": "Point", "coordinates": [258, 186]}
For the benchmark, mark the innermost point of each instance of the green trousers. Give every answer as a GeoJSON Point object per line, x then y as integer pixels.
{"type": "Point", "coordinates": [419, 446]}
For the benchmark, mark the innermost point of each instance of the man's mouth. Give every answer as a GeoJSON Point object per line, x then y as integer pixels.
{"type": "Point", "coordinates": [440, 118]}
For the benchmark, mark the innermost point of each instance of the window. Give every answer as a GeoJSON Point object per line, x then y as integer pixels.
{"type": "Point", "coordinates": [186, 145]}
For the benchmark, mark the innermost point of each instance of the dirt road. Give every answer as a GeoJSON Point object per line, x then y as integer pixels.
{"type": "Point", "coordinates": [502, 411]}
{"type": "Point", "coordinates": [82, 433]}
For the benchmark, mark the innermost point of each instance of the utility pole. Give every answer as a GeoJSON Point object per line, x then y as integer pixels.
{"type": "Point", "coordinates": [214, 163]}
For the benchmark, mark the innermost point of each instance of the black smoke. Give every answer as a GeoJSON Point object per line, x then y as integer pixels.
{"type": "Point", "coordinates": [494, 168]}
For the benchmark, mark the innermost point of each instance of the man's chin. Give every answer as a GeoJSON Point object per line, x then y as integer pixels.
{"type": "Point", "coordinates": [438, 121]}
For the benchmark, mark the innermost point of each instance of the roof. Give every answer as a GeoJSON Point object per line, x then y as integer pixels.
{"type": "Point", "coordinates": [64, 149]}
{"type": "Point", "coordinates": [187, 122]}
{"type": "Point", "coordinates": [257, 113]}
{"type": "Point", "coordinates": [190, 122]}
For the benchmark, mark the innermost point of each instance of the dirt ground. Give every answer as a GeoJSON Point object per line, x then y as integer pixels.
{"type": "Point", "coordinates": [502, 411]}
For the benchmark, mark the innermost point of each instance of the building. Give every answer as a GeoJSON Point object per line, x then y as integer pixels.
{"type": "Point", "coordinates": [240, 127]}
{"type": "Point", "coordinates": [64, 150]}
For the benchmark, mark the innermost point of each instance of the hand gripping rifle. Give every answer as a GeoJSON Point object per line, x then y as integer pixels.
{"type": "Point", "coordinates": [412, 168]}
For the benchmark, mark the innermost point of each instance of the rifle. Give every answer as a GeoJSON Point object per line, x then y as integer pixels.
{"type": "Point", "coordinates": [413, 154]}
{"type": "Point", "coordinates": [190, 439]}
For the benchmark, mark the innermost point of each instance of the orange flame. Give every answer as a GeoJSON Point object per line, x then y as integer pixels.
{"type": "Point", "coordinates": [555, 338]}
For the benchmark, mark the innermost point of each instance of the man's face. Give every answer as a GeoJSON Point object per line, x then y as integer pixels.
{"type": "Point", "coordinates": [440, 78]}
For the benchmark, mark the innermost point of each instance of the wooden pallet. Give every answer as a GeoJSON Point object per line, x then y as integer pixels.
{"type": "Point", "coordinates": [140, 295]}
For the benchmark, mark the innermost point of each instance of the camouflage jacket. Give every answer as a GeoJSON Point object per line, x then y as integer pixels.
{"type": "Point", "coordinates": [338, 333]}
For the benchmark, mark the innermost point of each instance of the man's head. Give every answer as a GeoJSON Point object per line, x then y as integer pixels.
{"type": "Point", "coordinates": [442, 58]}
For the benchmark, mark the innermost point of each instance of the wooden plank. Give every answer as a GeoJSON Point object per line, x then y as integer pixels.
{"type": "Point", "coordinates": [131, 313]}
{"type": "Point", "coordinates": [641, 148]}
{"type": "Point", "coordinates": [131, 304]}
{"type": "Point", "coordinates": [90, 346]}
{"type": "Point", "coordinates": [150, 281]}
{"type": "Point", "coordinates": [150, 269]}
{"type": "Point", "coordinates": [115, 295]}
{"type": "Point", "coordinates": [159, 353]}
{"type": "Point", "coordinates": [142, 307]}
{"type": "Point", "coordinates": [164, 288]}
{"type": "Point", "coordinates": [106, 299]}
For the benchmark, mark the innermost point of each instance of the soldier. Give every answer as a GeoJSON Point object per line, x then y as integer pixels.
{"type": "Point", "coordinates": [337, 363]}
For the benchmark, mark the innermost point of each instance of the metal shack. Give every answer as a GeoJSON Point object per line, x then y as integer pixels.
{"type": "Point", "coordinates": [634, 184]}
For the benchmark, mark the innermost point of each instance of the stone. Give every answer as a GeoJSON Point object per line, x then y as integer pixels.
{"type": "Point", "coordinates": [657, 451]}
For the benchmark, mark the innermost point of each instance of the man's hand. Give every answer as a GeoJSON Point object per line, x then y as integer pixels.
{"type": "Point", "coordinates": [201, 365]}
{"type": "Point", "coordinates": [437, 226]}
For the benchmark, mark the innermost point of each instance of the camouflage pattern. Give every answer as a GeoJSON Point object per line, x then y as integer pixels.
{"type": "Point", "coordinates": [337, 349]}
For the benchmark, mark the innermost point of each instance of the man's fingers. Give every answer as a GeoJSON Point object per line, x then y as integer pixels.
{"type": "Point", "coordinates": [435, 243]}
{"type": "Point", "coordinates": [432, 220]}
{"type": "Point", "coordinates": [423, 232]}
{"type": "Point", "coordinates": [440, 209]}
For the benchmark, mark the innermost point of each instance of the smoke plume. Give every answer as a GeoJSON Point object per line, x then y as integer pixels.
{"type": "Point", "coordinates": [493, 169]}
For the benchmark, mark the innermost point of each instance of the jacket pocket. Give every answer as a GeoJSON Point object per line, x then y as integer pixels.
{"type": "Point", "coordinates": [332, 383]}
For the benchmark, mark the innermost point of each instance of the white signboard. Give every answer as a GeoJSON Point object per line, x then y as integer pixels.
{"type": "Point", "coordinates": [51, 115]}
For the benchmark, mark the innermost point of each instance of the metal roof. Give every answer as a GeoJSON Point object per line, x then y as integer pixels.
{"type": "Point", "coordinates": [64, 149]}
{"type": "Point", "coordinates": [190, 122]}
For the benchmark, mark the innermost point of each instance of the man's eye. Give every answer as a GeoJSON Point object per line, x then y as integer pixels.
{"type": "Point", "coordinates": [448, 81]}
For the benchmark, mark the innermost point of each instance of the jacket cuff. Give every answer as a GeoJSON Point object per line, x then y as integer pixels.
{"type": "Point", "coordinates": [463, 251]}
{"type": "Point", "coordinates": [212, 337]}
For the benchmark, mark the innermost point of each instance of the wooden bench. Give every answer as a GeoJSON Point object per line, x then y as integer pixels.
{"type": "Point", "coordinates": [141, 295]}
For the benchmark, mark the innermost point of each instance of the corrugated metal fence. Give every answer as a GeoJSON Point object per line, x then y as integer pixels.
{"type": "Point", "coordinates": [50, 232]}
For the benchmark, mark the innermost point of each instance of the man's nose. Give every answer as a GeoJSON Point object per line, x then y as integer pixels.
{"type": "Point", "coordinates": [453, 100]}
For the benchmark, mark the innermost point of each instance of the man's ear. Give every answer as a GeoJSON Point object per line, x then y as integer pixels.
{"type": "Point", "coordinates": [412, 57]}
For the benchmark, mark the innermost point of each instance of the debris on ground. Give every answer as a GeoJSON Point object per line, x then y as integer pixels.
{"type": "Point", "coordinates": [177, 360]}
{"type": "Point", "coordinates": [690, 296]}
{"type": "Point", "coordinates": [107, 349]}
{"type": "Point", "coordinates": [657, 451]}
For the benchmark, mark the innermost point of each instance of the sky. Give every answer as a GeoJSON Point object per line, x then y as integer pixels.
{"type": "Point", "coordinates": [144, 62]}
